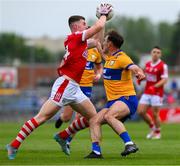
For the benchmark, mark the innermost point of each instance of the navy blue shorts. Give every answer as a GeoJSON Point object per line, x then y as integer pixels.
{"type": "Point", "coordinates": [130, 101]}
{"type": "Point", "coordinates": [86, 90]}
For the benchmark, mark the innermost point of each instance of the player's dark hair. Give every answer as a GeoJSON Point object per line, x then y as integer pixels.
{"type": "Point", "coordinates": [75, 18]}
{"type": "Point", "coordinates": [157, 47]}
{"type": "Point", "coordinates": [115, 38]}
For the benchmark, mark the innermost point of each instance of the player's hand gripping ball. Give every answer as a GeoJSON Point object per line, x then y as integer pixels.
{"type": "Point", "coordinates": [105, 9]}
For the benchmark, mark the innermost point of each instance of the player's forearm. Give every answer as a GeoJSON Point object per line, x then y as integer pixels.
{"type": "Point", "coordinates": [160, 83]}
{"type": "Point", "coordinates": [99, 48]}
{"type": "Point", "coordinates": [100, 36]}
{"type": "Point", "coordinates": [100, 23]}
{"type": "Point", "coordinates": [98, 72]}
{"type": "Point", "coordinates": [98, 26]}
{"type": "Point", "coordinates": [137, 71]}
{"type": "Point", "coordinates": [99, 69]}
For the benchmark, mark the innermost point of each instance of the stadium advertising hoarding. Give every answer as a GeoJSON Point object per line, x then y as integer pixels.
{"type": "Point", "coordinates": [168, 115]}
{"type": "Point", "coordinates": [8, 77]}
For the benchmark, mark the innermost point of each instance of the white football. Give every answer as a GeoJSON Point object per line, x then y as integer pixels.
{"type": "Point", "coordinates": [110, 15]}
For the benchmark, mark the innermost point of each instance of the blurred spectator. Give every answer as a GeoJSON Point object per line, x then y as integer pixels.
{"type": "Point", "coordinates": [174, 85]}
{"type": "Point", "coordinates": [174, 88]}
{"type": "Point", "coordinates": [170, 98]}
{"type": "Point", "coordinates": [178, 97]}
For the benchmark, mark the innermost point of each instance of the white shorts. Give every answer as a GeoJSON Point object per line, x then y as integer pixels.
{"type": "Point", "coordinates": [65, 92]}
{"type": "Point", "coordinates": [152, 100]}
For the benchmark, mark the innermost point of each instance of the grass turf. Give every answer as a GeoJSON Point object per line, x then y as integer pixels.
{"type": "Point", "coordinates": [41, 149]}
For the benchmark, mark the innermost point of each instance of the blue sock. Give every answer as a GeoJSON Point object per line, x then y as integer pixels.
{"type": "Point", "coordinates": [125, 137]}
{"type": "Point", "coordinates": [96, 148]}
{"type": "Point", "coordinates": [69, 139]}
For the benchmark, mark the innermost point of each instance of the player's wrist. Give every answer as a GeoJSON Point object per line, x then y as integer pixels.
{"type": "Point", "coordinates": [104, 15]}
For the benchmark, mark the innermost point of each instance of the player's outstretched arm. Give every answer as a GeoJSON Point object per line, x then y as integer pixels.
{"type": "Point", "coordinates": [96, 27]}
{"type": "Point", "coordinates": [104, 10]}
{"type": "Point", "coordinates": [100, 36]}
{"type": "Point", "coordinates": [137, 71]}
{"type": "Point", "coordinates": [96, 39]}
{"type": "Point", "coordinates": [100, 50]}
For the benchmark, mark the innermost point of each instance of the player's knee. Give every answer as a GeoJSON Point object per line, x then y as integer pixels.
{"type": "Point", "coordinates": [91, 121]}
{"type": "Point", "coordinates": [95, 120]}
{"type": "Point", "coordinates": [107, 117]}
{"type": "Point", "coordinates": [91, 115]}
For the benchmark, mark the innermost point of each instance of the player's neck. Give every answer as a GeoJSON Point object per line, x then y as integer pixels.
{"type": "Point", "coordinates": [155, 61]}
{"type": "Point", "coordinates": [73, 31]}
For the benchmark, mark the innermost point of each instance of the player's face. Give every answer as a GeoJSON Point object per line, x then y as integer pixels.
{"type": "Point", "coordinates": [156, 54]}
{"type": "Point", "coordinates": [106, 45]}
{"type": "Point", "coordinates": [81, 25]}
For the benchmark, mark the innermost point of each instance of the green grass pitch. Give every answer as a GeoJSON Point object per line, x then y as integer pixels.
{"type": "Point", "coordinates": [41, 149]}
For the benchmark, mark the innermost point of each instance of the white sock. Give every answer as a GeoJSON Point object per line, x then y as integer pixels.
{"type": "Point", "coordinates": [129, 143]}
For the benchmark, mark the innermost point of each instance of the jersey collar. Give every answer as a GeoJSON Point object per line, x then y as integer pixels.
{"type": "Point", "coordinates": [154, 64]}
{"type": "Point", "coordinates": [116, 52]}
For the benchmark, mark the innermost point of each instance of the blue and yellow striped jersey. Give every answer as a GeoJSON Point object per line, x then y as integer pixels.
{"type": "Point", "coordinates": [88, 74]}
{"type": "Point", "coordinates": [117, 78]}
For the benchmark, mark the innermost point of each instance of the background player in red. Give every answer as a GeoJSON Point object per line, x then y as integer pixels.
{"type": "Point", "coordinates": [66, 88]}
{"type": "Point", "coordinates": [156, 77]}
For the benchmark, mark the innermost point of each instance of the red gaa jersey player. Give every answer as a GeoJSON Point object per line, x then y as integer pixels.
{"type": "Point", "coordinates": [156, 76]}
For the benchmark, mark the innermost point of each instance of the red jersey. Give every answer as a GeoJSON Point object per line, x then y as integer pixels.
{"type": "Point", "coordinates": [154, 73]}
{"type": "Point", "coordinates": [74, 61]}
